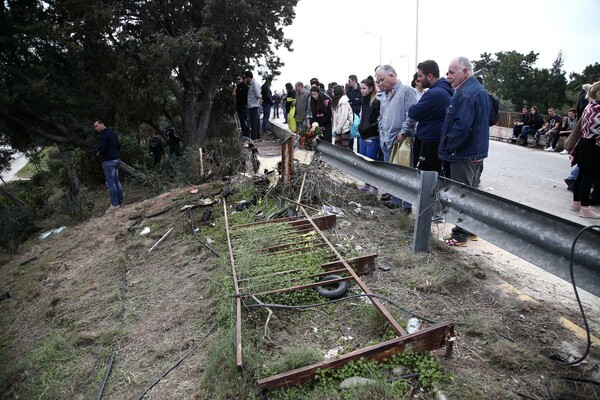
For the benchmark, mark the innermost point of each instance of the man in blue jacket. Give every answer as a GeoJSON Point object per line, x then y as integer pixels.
{"type": "Point", "coordinates": [465, 133]}
{"type": "Point", "coordinates": [109, 148]}
{"type": "Point", "coordinates": [430, 112]}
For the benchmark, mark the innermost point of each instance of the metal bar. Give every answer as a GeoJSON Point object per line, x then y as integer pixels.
{"type": "Point", "coordinates": [275, 283]}
{"type": "Point", "coordinates": [362, 265]}
{"type": "Point", "coordinates": [424, 340]}
{"type": "Point", "coordinates": [425, 206]}
{"type": "Point", "coordinates": [358, 281]}
{"type": "Point", "coordinates": [292, 271]}
{"type": "Point", "coordinates": [298, 203]}
{"type": "Point", "coordinates": [295, 288]}
{"type": "Point", "coordinates": [238, 299]}
{"type": "Point", "coordinates": [538, 237]}
{"type": "Point", "coordinates": [287, 160]}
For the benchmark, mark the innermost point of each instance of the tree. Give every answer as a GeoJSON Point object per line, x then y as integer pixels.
{"type": "Point", "coordinates": [511, 75]}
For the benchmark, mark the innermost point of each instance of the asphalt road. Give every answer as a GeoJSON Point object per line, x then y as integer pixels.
{"type": "Point", "coordinates": [531, 177]}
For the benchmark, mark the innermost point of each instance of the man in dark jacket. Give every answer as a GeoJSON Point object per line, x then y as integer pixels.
{"type": "Point", "coordinates": [267, 103]}
{"type": "Point", "coordinates": [156, 149]}
{"type": "Point", "coordinates": [430, 112]}
{"type": "Point", "coordinates": [241, 103]}
{"type": "Point", "coordinates": [109, 148]}
{"type": "Point", "coordinates": [465, 137]}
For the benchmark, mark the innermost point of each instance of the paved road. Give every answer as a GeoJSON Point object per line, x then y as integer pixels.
{"type": "Point", "coordinates": [531, 177]}
{"type": "Point", "coordinates": [15, 165]}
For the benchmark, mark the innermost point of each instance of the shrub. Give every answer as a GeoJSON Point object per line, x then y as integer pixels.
{"type": "Point", "coordinates": [16, 224]}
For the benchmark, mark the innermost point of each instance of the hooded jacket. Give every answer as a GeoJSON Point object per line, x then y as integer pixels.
{"type": "Point", "coordinates": [430, 111]}
{"type": "Point", "coordinates": [341, 116]}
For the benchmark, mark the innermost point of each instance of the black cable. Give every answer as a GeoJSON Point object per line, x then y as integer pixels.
{"type": "Point", "coordinates": [585, 380]}
{"type": "Point", "coordinates": [199, 238]}
{"type": "Point", "coordinates": [549, 389]}
{"type": "Point", "coordinates": [523, 395]}
{"type": "Point", "coordinates": [107, 373]}
{"type": "Point", "coordinates": [306, 306]}
{"type": "Point", "coordinates": [585, 322]}
{"type": "Point", "coordinates": [166, 372]}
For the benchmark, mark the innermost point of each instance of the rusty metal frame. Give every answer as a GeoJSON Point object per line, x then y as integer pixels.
{"type": "Point", "coordinates": [427, 339]}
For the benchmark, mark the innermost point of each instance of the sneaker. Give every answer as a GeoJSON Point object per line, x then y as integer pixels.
{"type": "Point", "coordinates": [386, 197]}
{"type": "Point", "coordinates": [391, 205]}
{"type": "Point", "coordinates": [111, 209]}
{"type": "Point", "coordinates": [587, 212]}
{"type": "Point", "coordinates": [575, 206]}
{"type": "Point", "coordinates": [564, 152]}
{"type": "Point", "coordinates": [548, 149]}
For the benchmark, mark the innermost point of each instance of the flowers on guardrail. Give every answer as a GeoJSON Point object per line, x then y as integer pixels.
{"type": "Point", "coordinates": [308, 136]}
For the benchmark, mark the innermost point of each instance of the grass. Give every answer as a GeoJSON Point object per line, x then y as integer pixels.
{"type": "Point", "coordinates": [29, 169]}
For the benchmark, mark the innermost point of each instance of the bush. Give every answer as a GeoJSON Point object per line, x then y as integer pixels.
{"type": "Point", "coordinates": [16, 225]}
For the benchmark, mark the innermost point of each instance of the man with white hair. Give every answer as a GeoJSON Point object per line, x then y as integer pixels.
{"type": "Point", "coordinates": [465, 133]}
{"type": "Point", "coordinates": [394, 125]}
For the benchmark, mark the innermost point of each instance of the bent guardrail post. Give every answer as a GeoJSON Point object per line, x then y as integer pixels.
{"type": "Point", "coordinates": [425, 207]}
{"type": "Point", "coordinates": [406, 183]}
{"type": "Point", "coordinates": [538, 237]}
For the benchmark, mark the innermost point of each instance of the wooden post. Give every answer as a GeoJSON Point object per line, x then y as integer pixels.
{"type": "Point", "coordinates": [201, 161]}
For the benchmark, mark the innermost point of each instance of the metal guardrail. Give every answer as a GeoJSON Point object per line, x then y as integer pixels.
{"type": "Point", "coordinates": [543, 239]}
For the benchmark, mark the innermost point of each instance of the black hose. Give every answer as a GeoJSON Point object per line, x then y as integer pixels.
{"type": "Point", "coordinates": [585, 322]}
{"type": "Point", "coordinates": [306, 306]}
{"type": "Point", "coordinates": [199, 238]}
{"type": "Point", "coordinates": [107, 373]}
{"type": "Point", "coordinates": [171, 368]}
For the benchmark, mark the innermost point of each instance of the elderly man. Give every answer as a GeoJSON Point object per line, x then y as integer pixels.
{"type": "Point", "coordinates": [109, 148]}
{"type": "Point", "coordinates": [393, 120]}
{"type": "Point", "coordinates": [465, 134]}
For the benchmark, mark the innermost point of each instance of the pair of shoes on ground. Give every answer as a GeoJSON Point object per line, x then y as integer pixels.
{"type": "Point", "coordinates": [459, 240]}
{"type": "Point", "coordinates": [584, 211]}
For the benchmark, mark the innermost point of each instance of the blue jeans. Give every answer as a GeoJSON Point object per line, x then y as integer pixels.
{"type": "Point", "coordinates": [111, 175]}
{"type": "Point", "coordinates": [369, 148]}
{"type": "Point", "coordinates": [254, 118]}
{"type": "Point", "coordinates": [525, 132]}
{"type": "Point", "coordinates": [387, 152]}
{"type": "Point", "coordinates": [266, 115]}
{"type": "Point", "coordinates": [574, 172]}
{"type": "Point", "coordinates": [275, 110]}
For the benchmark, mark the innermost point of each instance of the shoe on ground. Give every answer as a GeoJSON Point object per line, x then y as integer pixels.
{"type": "Point", "coordinates": [587, 212]}
{"type": "Point", "coordinates": [473, 237]}
{"type": "Point", "coordinates": [570, 184]}
{"type": "Point", "coordinates": [564, 152]}
{"type": "Point", "coordinates": [548, 149]}
{"type": "Point", "coordinates": [386, 197]}
{"type": "Point", "coordinates": [111, 209]}
{"type": "Point", "coordinates": [575, 206]}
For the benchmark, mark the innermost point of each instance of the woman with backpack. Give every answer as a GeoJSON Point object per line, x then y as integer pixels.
{"type": "Point", "coordinates": [320, 107]}
{"type": "Point", "coordinates": [369, 126]}
{"type": "Point", "coordinates": [342, 116]}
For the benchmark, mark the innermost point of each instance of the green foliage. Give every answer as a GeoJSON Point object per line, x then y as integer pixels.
{"type": "Point", "coordinates": [16, 223]}
{"type": "Point", "coordinates": [511, 76]}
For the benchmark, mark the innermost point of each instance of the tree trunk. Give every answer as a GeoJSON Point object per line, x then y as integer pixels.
{"type": "Point", "coordinates": [74, 186]}
{"type": "Point", "coordinates": [14, 198]}
{"type": "Point", "coordinates": [206, 104]}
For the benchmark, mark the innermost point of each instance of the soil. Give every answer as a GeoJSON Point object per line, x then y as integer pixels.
{"type": "Point", "coordinates": [95, 287]}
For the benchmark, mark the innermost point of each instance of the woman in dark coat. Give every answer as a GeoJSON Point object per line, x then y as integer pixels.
{"type": "Point", "coordinates": [368, 128]}
{"type": "Point", "coordinates": [320, 107]}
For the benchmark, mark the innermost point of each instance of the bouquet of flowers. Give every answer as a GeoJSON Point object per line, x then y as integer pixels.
{"type": "Point", "coordinates": [308, 136]}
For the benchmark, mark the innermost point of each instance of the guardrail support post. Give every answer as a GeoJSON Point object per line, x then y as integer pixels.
{"type": "Point", "coordinates": [425, 208]}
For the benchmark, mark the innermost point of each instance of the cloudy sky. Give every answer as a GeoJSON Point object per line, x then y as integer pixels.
{"type": "Point", "coordinates": [331, 40]}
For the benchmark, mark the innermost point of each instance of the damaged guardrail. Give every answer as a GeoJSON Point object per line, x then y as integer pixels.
{"type": "Point", "coordinates": [543, 239]}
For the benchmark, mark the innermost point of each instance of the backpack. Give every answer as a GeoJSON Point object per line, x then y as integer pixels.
{"type": "Point", "coordinates": [494, 110]}
{"type": "Point", "coordinates": [354, 121]}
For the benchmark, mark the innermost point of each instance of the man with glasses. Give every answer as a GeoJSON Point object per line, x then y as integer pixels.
{"type": "Point", "coordinates": [465, 133]}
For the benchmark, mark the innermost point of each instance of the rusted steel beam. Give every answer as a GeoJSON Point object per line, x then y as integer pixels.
{"type": "Point", "coordinates": [424, 340]}
{"type": "Point", "coordinates": [322, 222]}
{"type": "Point", "coordinates": [359, 282]}
{"type": "Point", "coordinates": [275, 283]}
{"type": "Point", "coordinates": [238, 302]}
{"type": "Point", "coordinates": [287, 160]}
{"type": "Point", "coordinates": [268, 221]}
{"type": "Point", "coordinates": [361, 265]}
{"type": "Point", "coordinates": [298, 287]}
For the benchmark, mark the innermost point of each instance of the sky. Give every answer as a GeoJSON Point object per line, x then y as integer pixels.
{"type": "Point", "coordinates": [331, 39]}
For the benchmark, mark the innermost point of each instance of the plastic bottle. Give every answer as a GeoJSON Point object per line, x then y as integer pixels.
{"type": "Point", "coordinates": [412, 325]}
